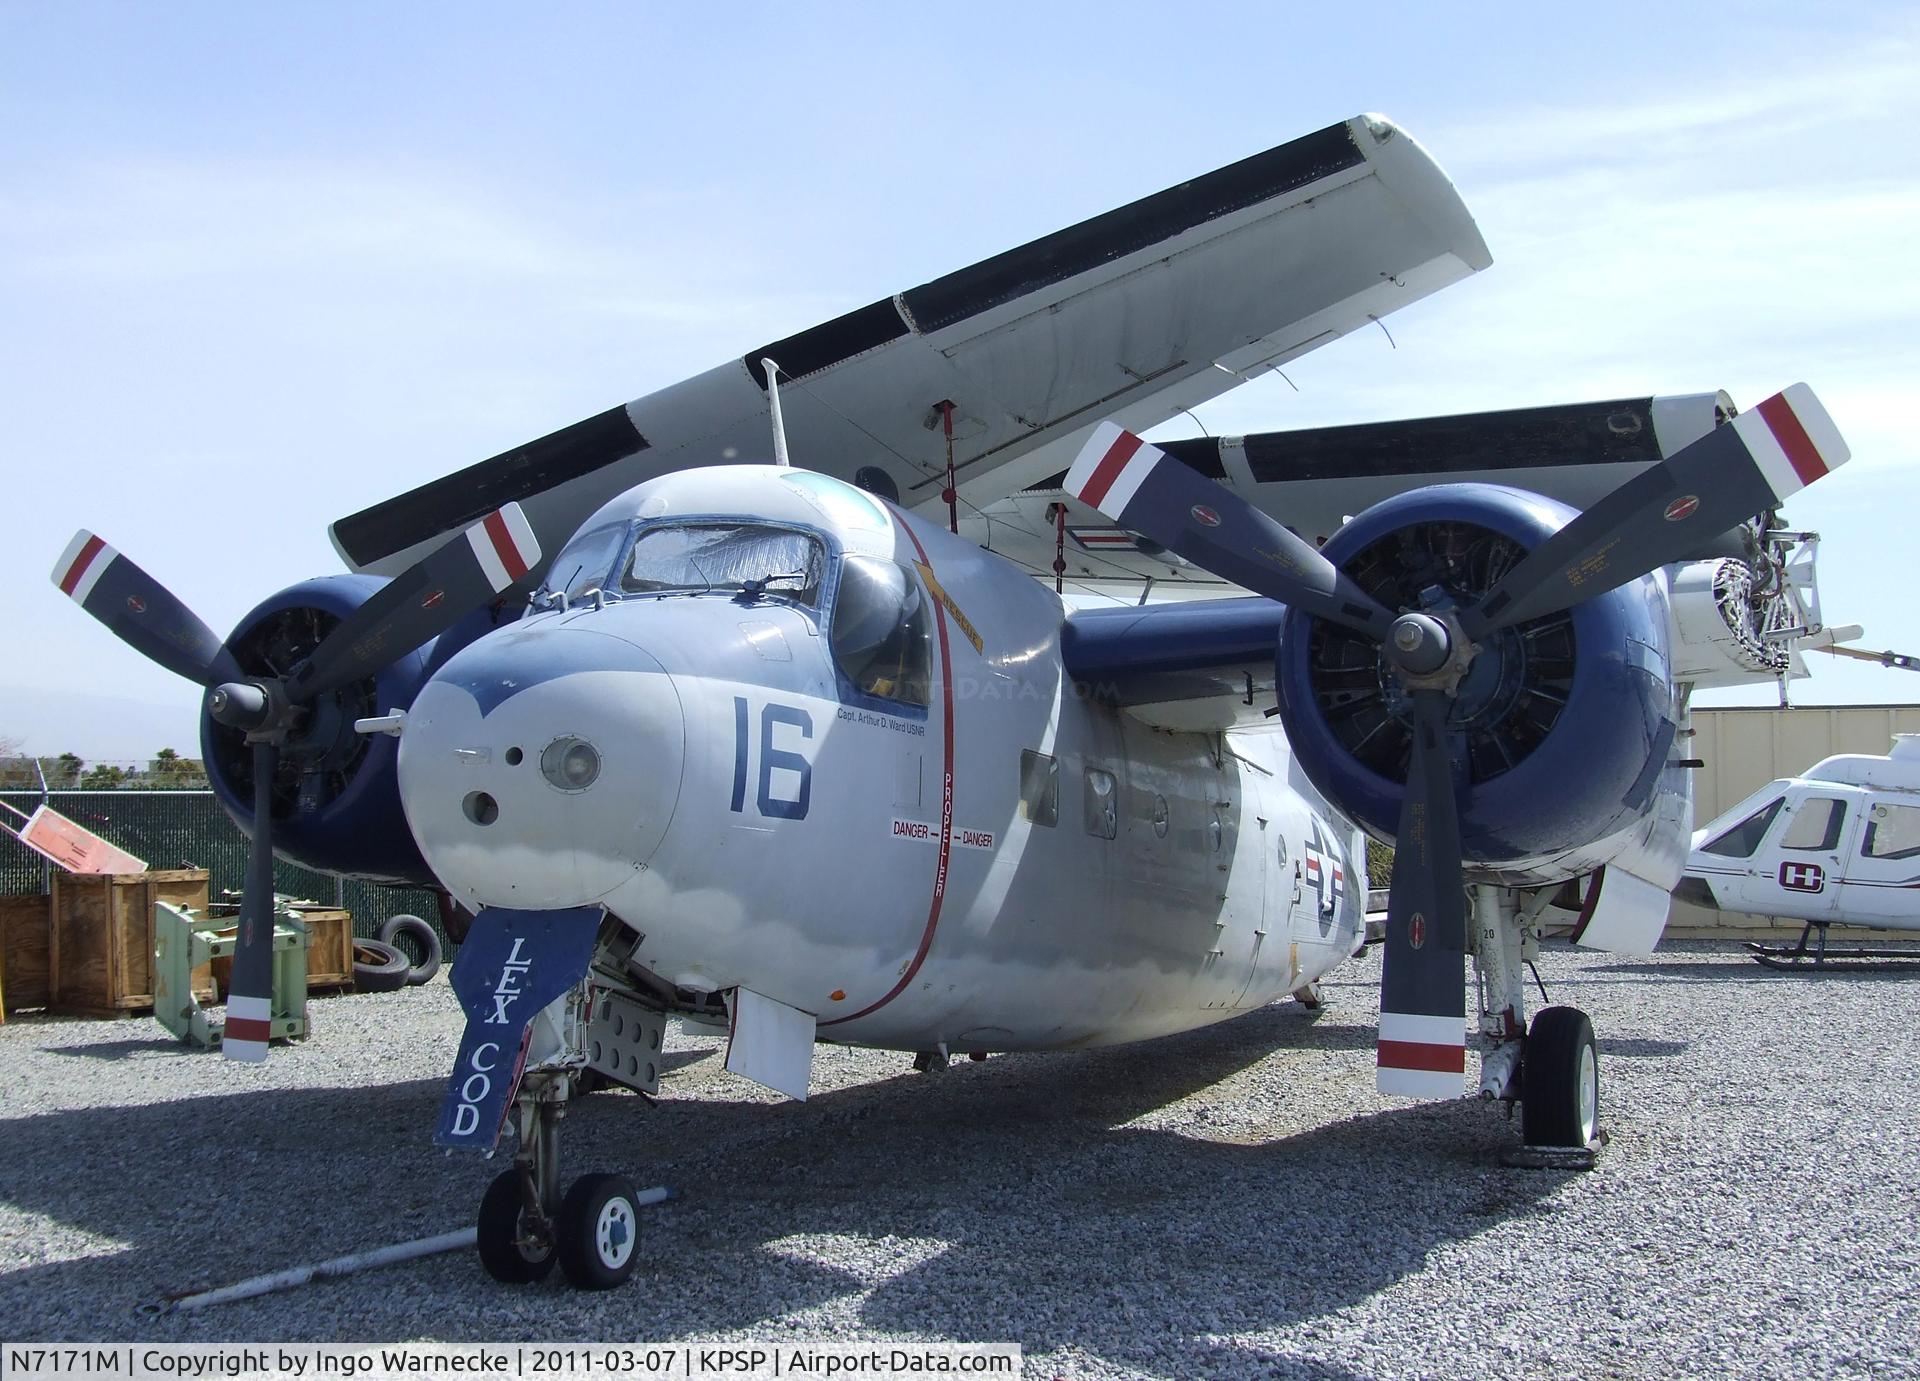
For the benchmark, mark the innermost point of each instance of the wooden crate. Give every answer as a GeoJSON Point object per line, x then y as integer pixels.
{"type": "Point", "coordinates": [23, 950]}
{"type": "Point", "coordinates": [100, 958]}
{"type": "Point", "coordinates": [329, 946]}
{"type": "Point", "coordinates": [330, 952]}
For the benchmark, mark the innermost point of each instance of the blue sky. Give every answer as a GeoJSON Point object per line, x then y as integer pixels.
{"type": "Point", "coordinates": [261, 265]}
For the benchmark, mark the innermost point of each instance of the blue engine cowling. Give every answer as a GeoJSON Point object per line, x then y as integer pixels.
{"type": "Point", "coordinates": [337, 794]}
{"type": "Point", "coordinates": [1559, 730]}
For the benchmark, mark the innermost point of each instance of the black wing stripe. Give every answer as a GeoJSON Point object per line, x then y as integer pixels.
{"type": "Point", "coordinates": [1053, 258]}
{"type": "Point", "coordinates": [830, 343]}
{"type": "Point", "coordinates": [453, 501]}
{"type": "Point", "coordinates": [1608, 433]}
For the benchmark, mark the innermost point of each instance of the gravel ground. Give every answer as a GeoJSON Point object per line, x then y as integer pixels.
{"type": "Point", "coordinates": [1235, 1201]}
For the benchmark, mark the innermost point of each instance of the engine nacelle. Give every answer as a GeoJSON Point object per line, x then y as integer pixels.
{"type": "Point", "coordinates": [337, 795]}
{"type": "Point", "coordinates": [1562, 725]}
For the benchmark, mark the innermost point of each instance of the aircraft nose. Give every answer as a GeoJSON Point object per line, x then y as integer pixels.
{"type": "Point", "coordinates": [541, 766]}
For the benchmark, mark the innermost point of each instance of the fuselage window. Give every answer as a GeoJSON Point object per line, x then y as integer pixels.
{"type": "Point", "coordinates": [1816, 825]}
{"type": "Point", "coordinates": [1103, 819]}
{"type": "Point", "coordinates": [1892, 832]}
{"type": "Point", "coordinates": [1039, 788]}
{"type": "Point", "coordinates": [726, 558]}
{"type": "Point", "coordinates": [1745, 837]}
{"type": "Point", "coordinates": [881, 629]}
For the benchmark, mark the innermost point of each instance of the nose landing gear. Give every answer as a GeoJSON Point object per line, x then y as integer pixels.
{"type": "Point", "coordinates": [1553, 1070]}
{"type": "Point", "coordinates": [527, 1224]}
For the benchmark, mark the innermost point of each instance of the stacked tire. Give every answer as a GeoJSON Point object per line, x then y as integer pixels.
{"type": "Point", "coordinates": [388, 962]}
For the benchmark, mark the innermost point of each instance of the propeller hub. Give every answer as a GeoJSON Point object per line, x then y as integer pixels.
{"type": "Point", "coordinates": [1429, 651]}
{"type": "Point", "coordinates": [1421, 644]}
{"type": "Point", "coordinates": [239, 705]}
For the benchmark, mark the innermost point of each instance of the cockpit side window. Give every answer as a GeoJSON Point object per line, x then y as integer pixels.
{"type": "Point", "coordinates": [1816, 825]}
{"type": "Point", "coordinates": [1745, 837]}
{"type": "Point", "coordinates": [881, 632]}
{"type": "Point", "coordinates": [586, 563]}
{"type": "Point", "coordinates": [731, 558]}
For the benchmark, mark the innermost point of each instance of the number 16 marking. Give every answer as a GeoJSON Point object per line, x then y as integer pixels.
{"type": "Point", "coordinates": [771, 759]}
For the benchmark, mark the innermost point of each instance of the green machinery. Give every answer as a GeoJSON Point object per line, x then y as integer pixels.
{"type": "Point", "coordinates": [183, 942]}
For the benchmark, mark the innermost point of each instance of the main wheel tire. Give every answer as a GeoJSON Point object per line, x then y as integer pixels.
{"type": "Point", "coordinates": [378, 967]}
{"type": "Point", "coordinates": [1560, 1080]}
{"type": "Point", "coordinates": [599, 1231]}
{"type": "Point", "coordinates": [421, 935]}
{"type": "Point", "coordinates": [500, 1235]}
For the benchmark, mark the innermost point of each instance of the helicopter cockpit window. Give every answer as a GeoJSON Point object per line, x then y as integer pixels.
{"type": "Point", "coordinates": [585, 563]}
{"type": "Point", "coordinates": [1745, 837]}
{"type": "Point", "coordinates": [881, 627]}
{"type": "Point", "coordinates": [726, 558]}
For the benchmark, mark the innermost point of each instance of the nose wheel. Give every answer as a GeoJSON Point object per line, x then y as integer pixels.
{"type": "Point", "coordinates": [526, 1224]}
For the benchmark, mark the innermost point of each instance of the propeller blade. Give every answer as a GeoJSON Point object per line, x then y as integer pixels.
{"type": "Point", "coordinates": [1739, 469]}
{"type": "Point", "coordinates": [1423, 981]}
{"type": "Point", "coordinates": [422, 602]}
{"type": "Point", "coordinates": [141, 612]}
{"type": "Point", "coordinates": [249, 1022]}
{"type": "Point", "coordinates": [1143, 488]}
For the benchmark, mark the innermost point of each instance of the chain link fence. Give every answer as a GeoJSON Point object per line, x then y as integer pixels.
{"type": "Point", "coordinates": [188, 829]}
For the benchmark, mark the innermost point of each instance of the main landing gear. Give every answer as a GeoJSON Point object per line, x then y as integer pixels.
{"type": "Point", "coordinates": [526, 1222]}
{"type": "Point", "coordinates": [1552, 1069]}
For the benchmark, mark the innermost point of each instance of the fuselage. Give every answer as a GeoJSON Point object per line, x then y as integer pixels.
{"type": "Point", "coordinates": [865, 788]}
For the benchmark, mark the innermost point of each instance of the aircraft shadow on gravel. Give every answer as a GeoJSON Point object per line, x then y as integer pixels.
{"type": "Point", "coordinates": [1019, 1178]}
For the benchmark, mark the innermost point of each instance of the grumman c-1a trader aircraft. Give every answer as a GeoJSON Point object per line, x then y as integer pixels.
{"type": "Point", "coordinates": [775, 748]}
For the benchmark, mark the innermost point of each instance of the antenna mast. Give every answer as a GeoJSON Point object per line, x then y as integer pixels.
{"type": "Point", "coordinates": [773, 403]}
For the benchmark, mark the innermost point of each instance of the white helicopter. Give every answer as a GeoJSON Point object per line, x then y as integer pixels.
{"type": "Point", "coordinates": [1838, 844]}
{"type": "Point", "coordinates": [774, 751]}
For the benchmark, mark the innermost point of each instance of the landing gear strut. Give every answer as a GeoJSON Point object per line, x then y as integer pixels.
{"type": "Point", "coordinates": [526, 1223]}
{"type": "Point", "coordinates": [1551, 1069]}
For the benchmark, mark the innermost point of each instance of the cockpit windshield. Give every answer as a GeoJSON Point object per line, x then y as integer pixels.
{"type": "Point", "coordinates": [732, 558]}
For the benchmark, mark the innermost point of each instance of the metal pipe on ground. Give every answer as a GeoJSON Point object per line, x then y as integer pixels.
{"type": "Point", "coordinates": [351, 1264]}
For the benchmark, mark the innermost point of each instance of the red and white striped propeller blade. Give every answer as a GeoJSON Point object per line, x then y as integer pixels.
{"type": "Point", "coordinates": [1141, 487]}
{"type": "Point", "coordinates": [1734, 472]}
{"type": "Point", "coordinates": [140, 611]}
{"type": "Point", "coordinates": [423, 601]}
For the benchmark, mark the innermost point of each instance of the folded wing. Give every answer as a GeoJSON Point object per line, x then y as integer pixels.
{"type": "Point", "coordinates": [1135, 314]}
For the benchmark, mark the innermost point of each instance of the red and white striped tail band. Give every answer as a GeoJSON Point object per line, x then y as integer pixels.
{"type": "Point", "coordinates": [1422, 1056]}
{"type": "Point", "coordinates": [81, 565]}
{"type": "Point", "coordinates": [1792, 439]}
{"type": "Point", "coordinates": [248, 1027]}
{"type": "Point", "coordinates": [504, 544]}
{"type": "Point", "coordinates": [1111, 467]}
